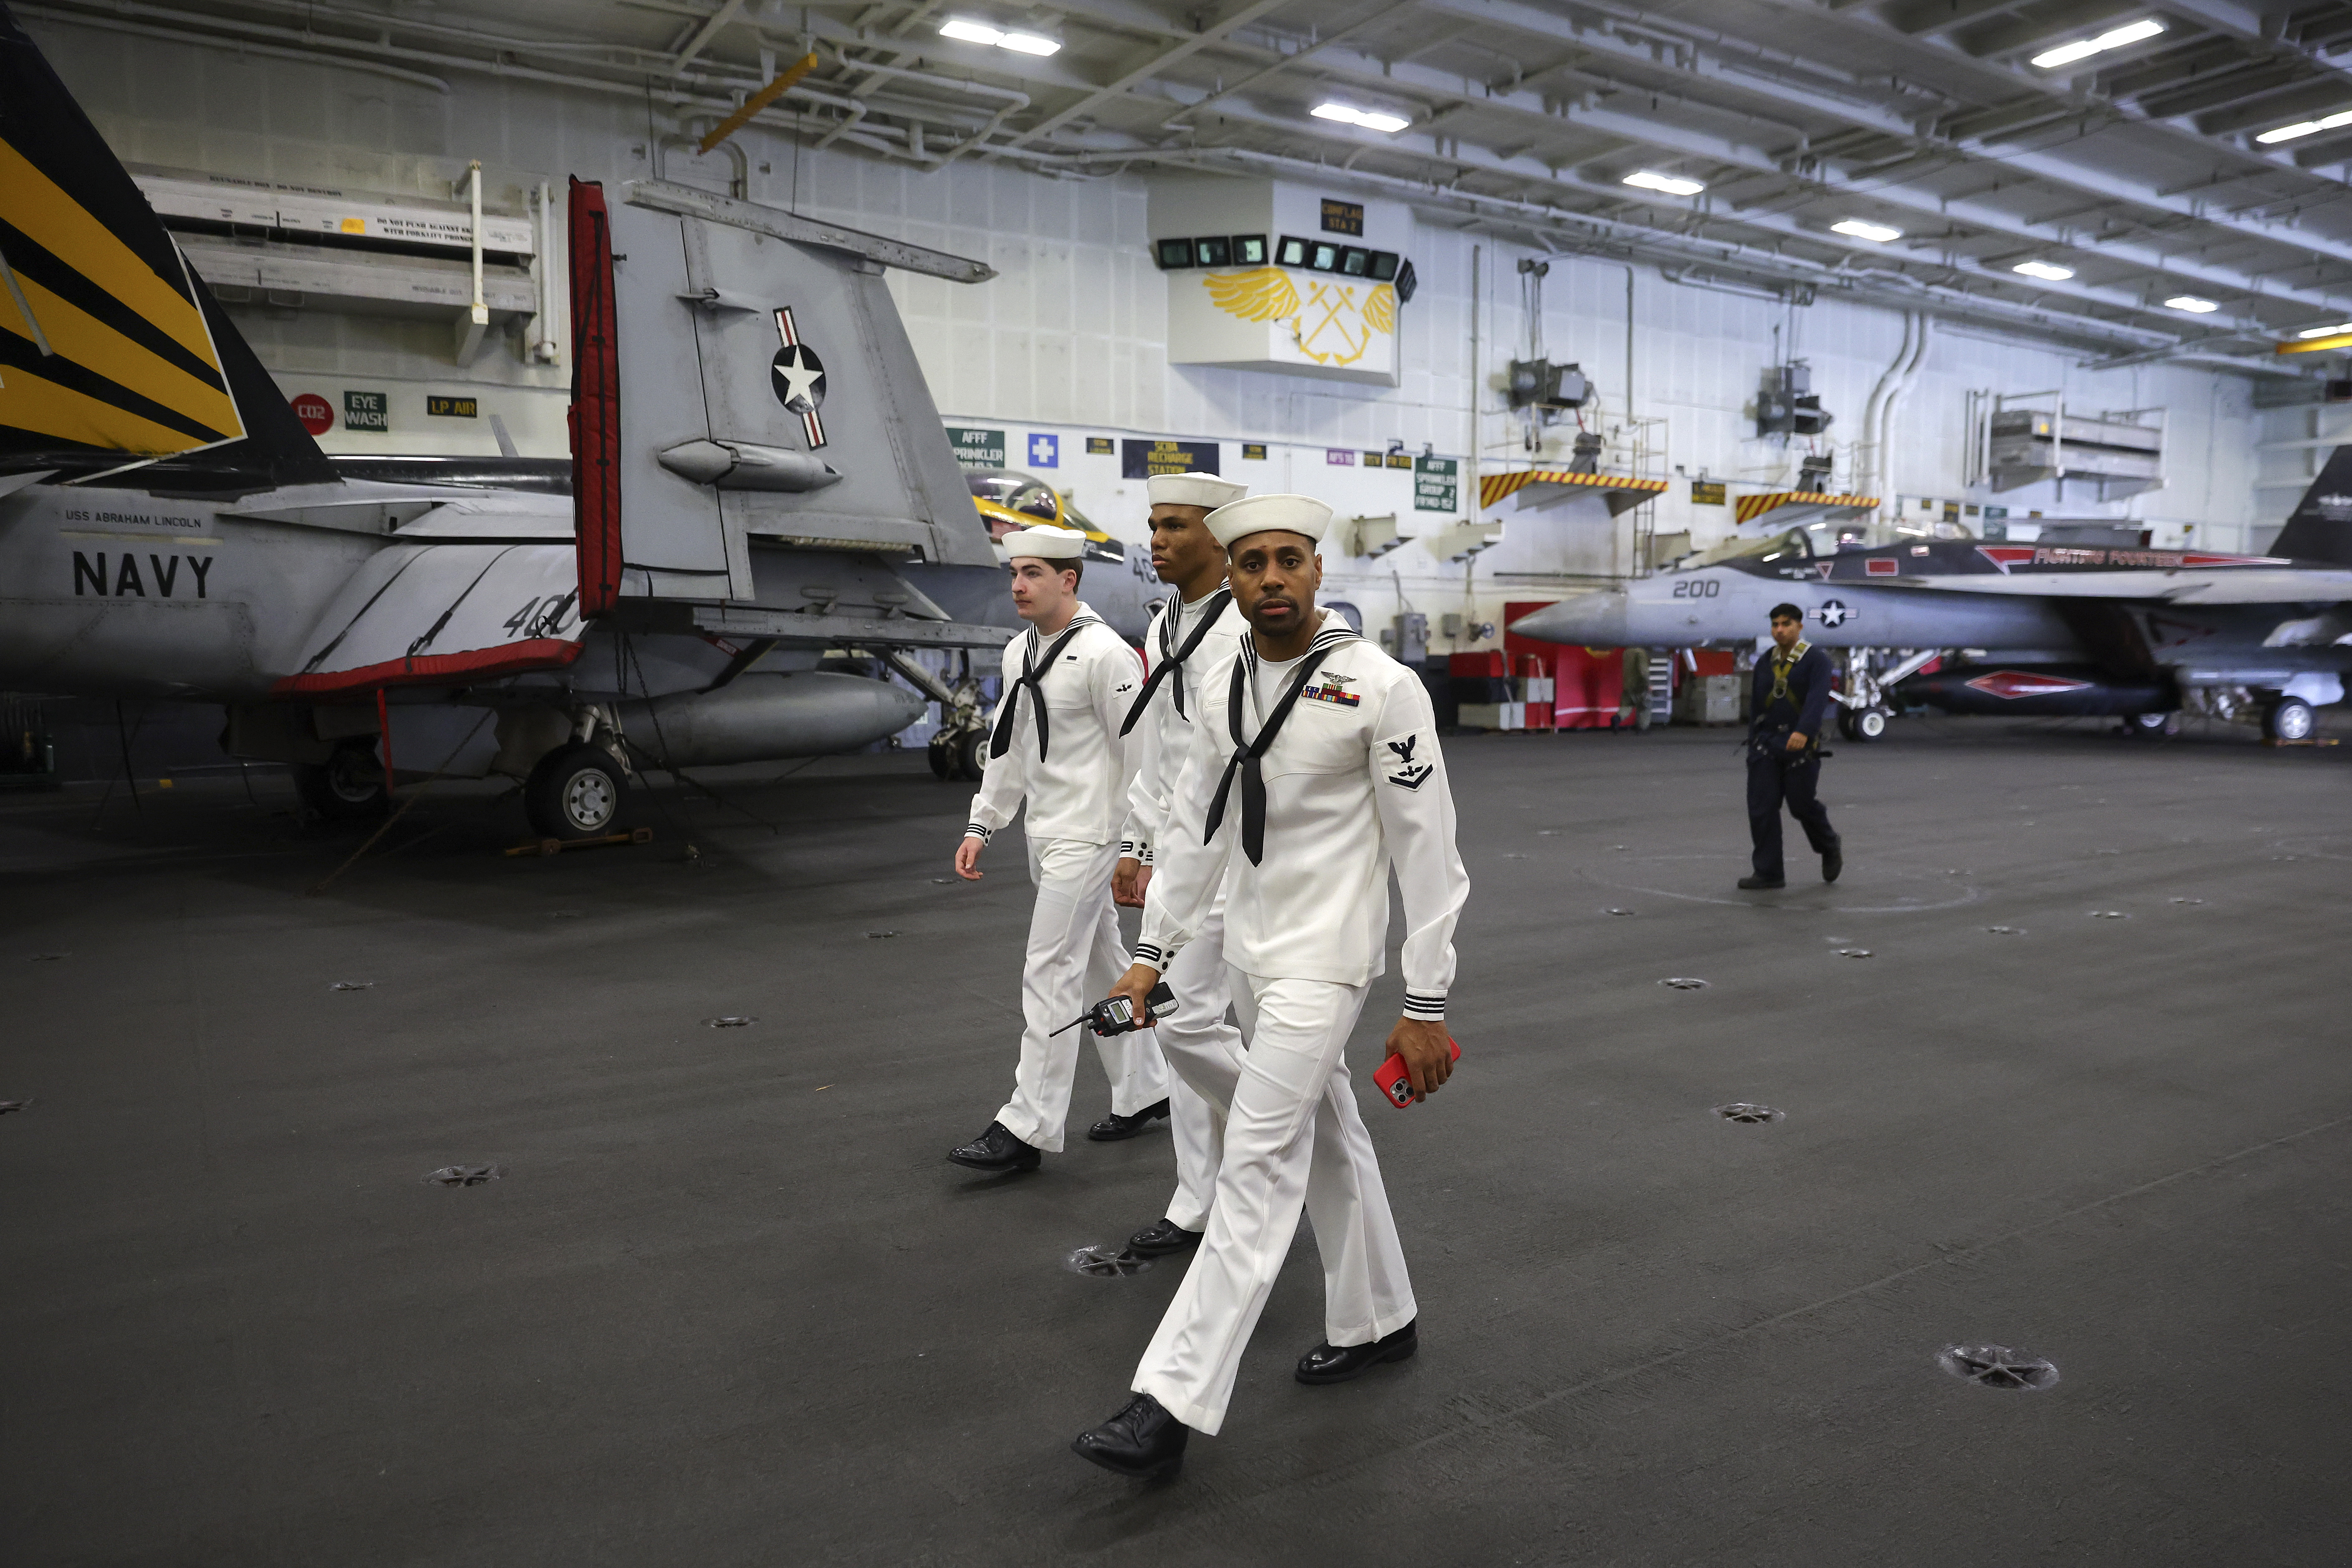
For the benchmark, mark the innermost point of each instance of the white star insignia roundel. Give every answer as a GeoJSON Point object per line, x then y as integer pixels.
{"type": "Point", "coordinates": [1834, 614]}
{"type": "Point", "coordinates": [797, 377]}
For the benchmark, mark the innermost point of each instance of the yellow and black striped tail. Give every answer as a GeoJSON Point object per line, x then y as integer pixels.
{"type": "Point", "coordinates": [111, 352]}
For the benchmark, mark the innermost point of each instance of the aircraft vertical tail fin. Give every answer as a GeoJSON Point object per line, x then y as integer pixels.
{"type": "Point", "coordinates": [2320, 527]}
{"type": "Point", "coordinates": [768, 389]}
{"type": "Point", "coordinates": [112, 352]}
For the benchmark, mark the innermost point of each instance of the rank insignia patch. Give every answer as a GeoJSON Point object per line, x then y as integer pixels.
{"type": "Point", "coordinates": [1409, 773]}
{"type": "Point", "coordinates": [1333, 690]}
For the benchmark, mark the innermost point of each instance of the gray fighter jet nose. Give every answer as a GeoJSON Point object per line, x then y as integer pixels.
{"type": "Point", "coordinates": [1596, 617]}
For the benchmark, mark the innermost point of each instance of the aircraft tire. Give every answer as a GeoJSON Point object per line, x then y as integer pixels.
{"type": "Point", "coordinates": [941, 753]}
{"type": "Point", "coordinates": [574, 793]}
{"type": "Point", "coordinates": [1862, 724]}
{"type": "Point", "coordinates": [346, 786]}
{"type": "Point", "coordinates": [971, 754]}
{"type": "Point", "coordinates": [2289, 719]}
{"type": "Point", "coordinates": [2154, 726]}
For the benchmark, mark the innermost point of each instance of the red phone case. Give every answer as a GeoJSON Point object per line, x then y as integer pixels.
{"type": "Point", "coordinates": [1395, 1084]}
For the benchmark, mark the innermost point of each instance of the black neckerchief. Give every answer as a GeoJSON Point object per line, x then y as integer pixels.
{"type": "Point", "coordinates": [1032, 674]}
{"type": "Point", "coordinates": [1246, 752]}
{"type": "Point", "coordinates": [1172, 658]}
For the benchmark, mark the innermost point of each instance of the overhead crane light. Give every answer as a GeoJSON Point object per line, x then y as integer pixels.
{"type": "Point", "coordinates": [2192, 304]}
{"type": "Point", "coordinates": [1370, 118]}
{"type": "Point", "coordinates": [972, 32]}
{"type": "Point", "coordinates": [2043, 270]}
{"type": "Point", "coordinates": [1672, 185]}
{"type": "Point", "coordinates": [1877, 233]}
{"type": "Point", "coordinates": [2084, 49]}
{"type": "Point", "coordinates": [2338, 329]}
{"type": "Point", "coordinates": [2303, 128]}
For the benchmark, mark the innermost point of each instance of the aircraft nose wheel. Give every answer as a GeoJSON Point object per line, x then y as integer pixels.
{"type": "Point", "coordinates": [1863, 724]}
{"type": "Point", "coordinates": [971, 754]}
{"type": "Point", "coordinates": [347, 785]}
{"type": "Point", "coordinates": [959, 755]}
{"type": "Point", "coordinates": [2289, 719]}
{"type": "Point", "coordinates": [574, 793]}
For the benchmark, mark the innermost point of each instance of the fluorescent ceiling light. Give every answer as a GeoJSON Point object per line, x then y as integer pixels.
{"type": "Point", "coordinates": [1370, 118]}
{"type": "Point", "coordinates": [1877, 233]}
{"type": "Point", "coordinates": [2338, 329]}
{"type": "Point", "coordinates": [1672, 185]}
{"type": "Point", "coordinates": [2305, 128]}
{"type": "Point", "coordinates": [981, 33]}
{"type": "Point", "coordinates": [2192, 304]}
{"type": "Point", "coordinates": [2083, 48]}
{"type": "Point", "coordinates": [2043, 270]}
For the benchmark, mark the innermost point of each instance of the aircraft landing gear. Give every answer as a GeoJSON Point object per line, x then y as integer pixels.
{"type": "Point", "coordinates": [346, 786]}
{"type": "Point", "coordinates": [1862, 724]}
{"type": "Point", "coordinates": [575, 792]}
{"type": "Point", "coordinates": [2153, 726]}
{"type": "Point", "coordinates": [2289, 719]}
{"type": "Point", "coordinates": [959, 755]}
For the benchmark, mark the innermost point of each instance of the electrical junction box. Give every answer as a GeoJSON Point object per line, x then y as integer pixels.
{"type": "Point", "coordinates": [1785, 402]}
{"type": "Point", "coordinates": [1314, 306]}
{"type": "Point", "coordinates": [1554, 388]}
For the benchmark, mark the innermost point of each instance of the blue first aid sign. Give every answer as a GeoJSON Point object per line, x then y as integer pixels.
{"type": "Point", "coordinates": [1045, 451]}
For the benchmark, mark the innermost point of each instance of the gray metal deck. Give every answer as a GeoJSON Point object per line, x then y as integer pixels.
{"type": "Point", "coordinates": [728, 1306]}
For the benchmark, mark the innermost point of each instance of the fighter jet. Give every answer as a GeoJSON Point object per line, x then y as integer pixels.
{"type": "Point", "coordinates": [2078, 627]}
{"type": "Point", "coordinates": [759, 481]}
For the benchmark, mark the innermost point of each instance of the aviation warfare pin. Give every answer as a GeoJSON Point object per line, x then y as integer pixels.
{"type": "Point", "coordinates": [1333, 690]}
{"type": "Point", "coordinates": [797, 376]}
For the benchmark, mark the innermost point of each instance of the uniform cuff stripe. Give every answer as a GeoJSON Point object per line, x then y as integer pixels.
{"type": "Point", "coordinates": [974, 830]}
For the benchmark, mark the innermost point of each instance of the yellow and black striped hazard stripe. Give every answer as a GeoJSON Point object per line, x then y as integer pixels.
{"type": "Point", "coordinates": [104, 346]}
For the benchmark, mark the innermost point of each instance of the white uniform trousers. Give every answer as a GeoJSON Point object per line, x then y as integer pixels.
{"type": "Point", "coordinates": [1293, 1139]}
{"type": "Point", "coordinates": [1075, 955]}
{"type": "Point", "coordinates": [1205, 1052]}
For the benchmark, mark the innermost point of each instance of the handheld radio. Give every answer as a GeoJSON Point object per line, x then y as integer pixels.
{"type": "Point", "coordinates": [1116, 1015]}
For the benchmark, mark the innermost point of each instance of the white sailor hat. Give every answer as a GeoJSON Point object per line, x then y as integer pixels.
{"type": "Point", "coordinates": [1045, 543]}
{"type": "Point", "coordinates": [1262, 515]}
{"type": "Point", "coordinates": [1193, 490]}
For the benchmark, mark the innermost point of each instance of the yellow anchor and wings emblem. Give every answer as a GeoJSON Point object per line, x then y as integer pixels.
{"type": "Point", "coordinates": [1335, 323]}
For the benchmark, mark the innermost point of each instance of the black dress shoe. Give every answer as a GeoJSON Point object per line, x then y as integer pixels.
{"type": "Point", "coordinates": [1163, 1239]}
{"type": "Point", "coordinates": [1142, 1441]}
{"type": "Point", "coordinates": [1114, 1127]}
{"type": "Point", "coordinates": [1339, 1363]}
{"type": "Point", "coordinates": [1833, 861]}
{"type": "Point", "coordinates": [996, 1149]}
{"type": "Point", "coordinates": [1761, 884]}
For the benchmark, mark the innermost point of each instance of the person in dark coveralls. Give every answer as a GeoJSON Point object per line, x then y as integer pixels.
{"type": "Point", "coordinates": [1791, 696]}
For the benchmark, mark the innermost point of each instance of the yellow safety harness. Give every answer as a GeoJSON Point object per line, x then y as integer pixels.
{"type": "Point", "coordinates": [1782, 663]}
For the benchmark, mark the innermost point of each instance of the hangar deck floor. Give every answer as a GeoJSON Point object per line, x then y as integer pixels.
{"type": "Point", "coordinates": [728, 1306]}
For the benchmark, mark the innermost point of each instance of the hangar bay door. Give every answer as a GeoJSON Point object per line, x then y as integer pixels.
{"type": "Point", "coordinates": [768, 390]}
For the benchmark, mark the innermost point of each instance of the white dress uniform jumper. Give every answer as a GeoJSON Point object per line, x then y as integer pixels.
{"type": "Point", "coordinates": [1055, 746]}
{"type": "Point", "coordinates": [1308, 783]}
{"type": "Point", "coordinates": [1185, 642]}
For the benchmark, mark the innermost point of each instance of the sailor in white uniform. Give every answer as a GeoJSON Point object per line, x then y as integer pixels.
{"type": "Point", "coordinates": [1314, 769]}
{"type": "Point", "coordinates": [1054, 744]}
{"type": "Point", "coordinates": [1199, 630]}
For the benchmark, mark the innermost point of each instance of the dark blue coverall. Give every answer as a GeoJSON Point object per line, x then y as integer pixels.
{"type": "Point", "coordinates": [1775, 775]}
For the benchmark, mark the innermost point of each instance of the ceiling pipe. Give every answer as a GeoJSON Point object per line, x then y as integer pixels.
{"type": "Point", "coordinates": [1867, 480]}
{"type": "Point", "coordinates": [1883, 465]}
